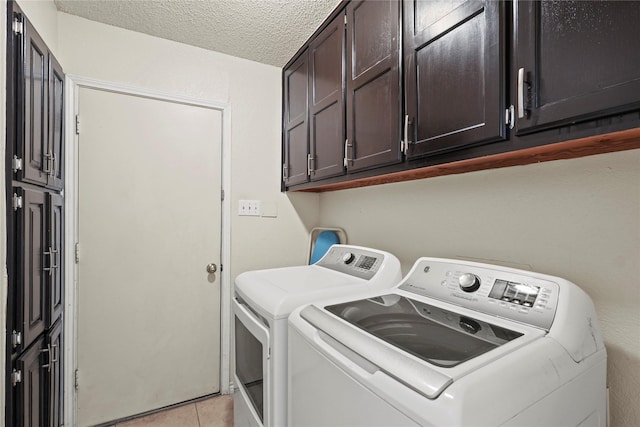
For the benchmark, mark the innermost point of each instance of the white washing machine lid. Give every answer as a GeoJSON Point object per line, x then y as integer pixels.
{"type": "Point", "coordinates": [451, 342]}
{"type": "Point", "coordinates": [275, 293]}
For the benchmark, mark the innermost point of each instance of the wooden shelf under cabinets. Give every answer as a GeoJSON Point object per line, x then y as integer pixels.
{"type": "Point", "coordinates": [599, 144]}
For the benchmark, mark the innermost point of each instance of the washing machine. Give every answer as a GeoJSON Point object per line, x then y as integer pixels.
{"type": "Point", "coordinates": [262, 302]}
{"type": "Point", "coordinates": [455, 343]}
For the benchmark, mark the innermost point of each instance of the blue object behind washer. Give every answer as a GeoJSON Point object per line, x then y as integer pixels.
{"type": "Point", "coordinates": [323, 242]}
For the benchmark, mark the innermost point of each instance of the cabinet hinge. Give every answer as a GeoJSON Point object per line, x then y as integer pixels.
{"type": "Point", "coordinates": [16, 164]}
{"type": "Point", "coordinates": [77, 252]}
{"type": "Point", "coordinates": [17, 202]}
{"type": "Point", "coordinates": [18, 26]}
{"type": "Point", "coordinates": [75, 379]}
{"type": "Point", "coordinates": [16, 377]}
{"type": "Point", "coordinates": [16, 338]}
{"type": "Point", "coordinates": [510, 117]}
{"type": "Point", "coordinates": [77, 124]}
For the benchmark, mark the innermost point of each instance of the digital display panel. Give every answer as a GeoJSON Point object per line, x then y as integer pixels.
{"type": "Point", "coordinates": [516, 293]}
{"type": "Point", "coordinates": [366, 262]}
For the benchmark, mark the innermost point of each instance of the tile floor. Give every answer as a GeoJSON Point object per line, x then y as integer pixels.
{"type": "Point", "coordinates": [214, 412]}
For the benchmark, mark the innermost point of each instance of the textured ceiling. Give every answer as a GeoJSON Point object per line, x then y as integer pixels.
{"type": "Point", "coordinates": [267, 31]}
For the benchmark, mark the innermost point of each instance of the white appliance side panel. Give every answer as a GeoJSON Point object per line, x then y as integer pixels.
{"type": "Point", "coordinates": [581, 402]}
{"type": "Point", "coordinates": [321, 394]}
{"type": "Point", "coordinates": [243, 414]}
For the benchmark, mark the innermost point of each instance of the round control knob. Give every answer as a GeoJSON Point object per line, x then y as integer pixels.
{"type": "Point", "coordinates": [348, 258]}
{"type": "Point", "coordinates": [469, 282]}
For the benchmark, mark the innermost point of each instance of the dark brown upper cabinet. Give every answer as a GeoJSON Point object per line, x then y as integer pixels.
{"type": "Point", "coordinates": [575, 61]}
{"type": "Point", "coordinates": [454, 80]}
{"type": "Point", "coordinates": [326, 101]}
{"type": "Point", "coordinates": [373, 84]}
{"type": "Point", "coordinates": [39, 151]}
{"type": "Point", "coordinates": [296, 122]}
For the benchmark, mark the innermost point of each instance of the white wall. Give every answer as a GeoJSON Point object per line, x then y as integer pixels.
{"type": "Point", "coordinates": [252, 90]}
{"type": "Point", "coordinates": [578, 219]}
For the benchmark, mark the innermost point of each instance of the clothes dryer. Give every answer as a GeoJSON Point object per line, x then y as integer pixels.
{"type": "Point", "coordinates": [261, 304]}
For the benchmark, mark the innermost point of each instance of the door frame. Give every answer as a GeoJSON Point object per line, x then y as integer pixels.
{"type": "Point", "coordinates": [73, 84]}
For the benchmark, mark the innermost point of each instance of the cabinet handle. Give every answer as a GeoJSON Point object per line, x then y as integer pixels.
{"type": "Point", "coordinates": [521, 84]}
{"type": "Point", "coordinates": [406, 142]}
{"type": "Point", "coordinates": [48, 351]}
{"type": "Point", "coordinates": [310, 160]}
{"type": "Point", "coordinates": [55, 352]}
{"type": "Point", "coordinates": [47, 165]}
{"type": "Point", "coordinates": [284, 172]}
{"type": "Point", "coordinates": [52, 260]}
{"type": "Point", "coordinates": [53, 165]}
{"type": "Point", "coordinates": [347, 159]}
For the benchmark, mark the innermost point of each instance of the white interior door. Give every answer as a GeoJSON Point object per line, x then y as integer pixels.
{"type": "Point", "coordinates": [149, 222]}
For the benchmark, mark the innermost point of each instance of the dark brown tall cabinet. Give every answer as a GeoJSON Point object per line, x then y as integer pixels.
{"type": "Point", "coordinates": [35, 225]}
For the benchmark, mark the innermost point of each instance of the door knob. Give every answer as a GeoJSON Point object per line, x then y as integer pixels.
{"type": "Point", "coordinates": [212, 268]}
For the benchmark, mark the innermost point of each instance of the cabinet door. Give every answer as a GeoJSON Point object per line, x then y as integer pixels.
{"type": "Point", "coordinates": [55, 387]}
{"type": "Point", "coordinates": [373, 84]}
{"type": "Point", "coordinates": [29, 393]}
{"type": "Point", "coordinates": [31, 257]}
{"type": "Point", "coordinates": [33, 137]}
{"type": "Point", "coordinates": [326, 101]}
{"type": "Point", "coordinates": [56, 124]}
{"type": "Point", "coordinates": [296, 124]}
{"type": "Point", "coordinates": [454, 80]}
{"type": "Point", "coordinates": [55, 274]}
{"type": "Point", "coordinates": [575, 60]}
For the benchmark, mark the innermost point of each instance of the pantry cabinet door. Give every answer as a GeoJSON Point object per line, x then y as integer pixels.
{"type": "Point", "coordinates": [575, 61]}
{"type": "Point", "coordinates": [373, 84]}
{"type": "Point", "coordinates": [454, 78]}
{"type": "Point", "coordinates": [33, 91]}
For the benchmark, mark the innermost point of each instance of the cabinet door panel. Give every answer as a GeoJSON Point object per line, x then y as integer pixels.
{"type": "Point", "coordinates": [31, 280]}
{"type": "Point", "coordinates": [453, 76]}
{"type": "Point", "coordinates": [56, 123]}
{"type": "Point", "coordinates": [579, 60]}
{"type": "Point", "coordinates": [326, 110]}
{"type": "Point", "coordinates": [56, 377]}
{"type": "Point", "coordinates": [34, 81]}
{"type": "Point", "coordinates": [296, 130]}
{"type": "Point", "coordinates": [373, 84]}
{"type": "Point", "coordinates": [55, 242]}
{"type": "Point", "coordinates": [29, 393]}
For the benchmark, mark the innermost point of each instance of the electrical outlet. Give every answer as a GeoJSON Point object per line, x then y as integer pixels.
{"type": "Point", "coordinates": [249, 208]}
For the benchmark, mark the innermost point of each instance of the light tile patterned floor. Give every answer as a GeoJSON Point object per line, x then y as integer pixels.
{"type": "Point", "coordinates": [214, 412]}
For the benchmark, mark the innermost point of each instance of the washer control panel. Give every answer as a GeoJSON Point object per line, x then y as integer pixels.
{"type": "Point", "coordinates": [352, 260]}
{"type": "Point", "coordinates": [504, 293]}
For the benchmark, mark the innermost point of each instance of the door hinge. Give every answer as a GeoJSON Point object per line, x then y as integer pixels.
{"type": "Point", "coordinates": [510, 117]}
{"type": "Point", "coordinates": [16, 377]}
{"type": "Point", "coordinates": [16, 338]}
{"type": "Point", "coordinates": [16, 164]}
{"type": "Point", "coordinates": [18, 26]}
{"type": "Point", "coordinates": [222, 195]}
{"type": "Point", "coordinates": [77, 124]}
{"type": "Point", "coordinates": [221, 268]}
{"type": "Point", "coordinates": [77, 252]}
{"type": "Point", "coordinates": [75, 379]}
{"type": "Point", "coordinates": [17, 202]}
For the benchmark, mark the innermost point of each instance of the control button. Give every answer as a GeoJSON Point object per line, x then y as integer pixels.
{"type": "Point", "coordinates": [469, 282]}
{"type": "Point", "coordinates": [527, 304]}
{"type": "Point", "coordinates": [348, 258]}
{"type": "Point", "coordinates": [443, 283]}
{"type": "Point", "coordinates": [515, 301]}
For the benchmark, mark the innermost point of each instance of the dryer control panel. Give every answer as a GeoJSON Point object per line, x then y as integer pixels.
{"type": "Point", "coordinates": [352, 260]}
{"type": "Point", "coordinates": [508, 293]}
